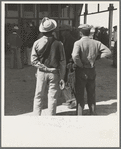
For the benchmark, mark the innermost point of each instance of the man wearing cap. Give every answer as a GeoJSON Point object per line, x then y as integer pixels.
{"type": "Point", "coordinates": [85, 53]}
{"type": "Point", "coordinates": [115, 47]}
{"type": "Point", "coordinates": [49, 58]}
{"type": "Point", "coordinates": [15, 42]}
{"type": "Point", "coordinates": [30, 39]}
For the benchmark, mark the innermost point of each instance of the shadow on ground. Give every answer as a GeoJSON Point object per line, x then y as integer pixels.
{"type": "Point", "coordinates": [20, 88]}
{"type": "Point", "coordinates": [101, 110]}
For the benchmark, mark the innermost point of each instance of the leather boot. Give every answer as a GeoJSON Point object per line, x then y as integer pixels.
{"type": "Point", "coordinates": [92, 109]}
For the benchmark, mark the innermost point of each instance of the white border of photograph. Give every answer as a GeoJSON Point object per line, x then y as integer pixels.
{"type": "Point", "coordinates": [58, 131]}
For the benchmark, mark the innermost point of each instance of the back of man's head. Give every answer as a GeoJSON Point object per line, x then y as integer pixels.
{"type": "Point", "coordinates": [85, 29]}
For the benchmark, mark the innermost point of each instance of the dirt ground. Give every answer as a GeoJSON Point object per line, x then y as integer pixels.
{"type": "Point", "coordinates": [20, 88]}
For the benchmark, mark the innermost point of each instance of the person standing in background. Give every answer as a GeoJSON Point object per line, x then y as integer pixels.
{"type": "Point", "coordinates": [115, 47]}
{"type": "Point", "coordinates": [85, 53]}
{"type": "Point", "coordinates": [31, 38]}
{"type": "Point", "coordinates": [15, 42]}
{"type": "Point", "coordinates": [68, 42]}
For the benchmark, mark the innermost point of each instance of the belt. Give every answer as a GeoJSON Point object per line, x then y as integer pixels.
{"type": "Point", "coordinates": [49, 71]}
{"type": "Point", "coordinates": [86, 67]}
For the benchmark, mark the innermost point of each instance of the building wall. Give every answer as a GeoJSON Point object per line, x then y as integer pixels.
{"type": "Point", "coordinates": [62, 13]}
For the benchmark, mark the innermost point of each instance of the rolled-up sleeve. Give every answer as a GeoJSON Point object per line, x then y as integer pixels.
{"type": "Point", "coordinates": [105, 51]}
{"type": "Point", "coordinates": [76, 55]}
{"type": "Point", "coordinates": [35, 59]}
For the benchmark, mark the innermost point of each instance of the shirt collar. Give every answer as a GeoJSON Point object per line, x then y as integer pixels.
{"type": "Point", "coordinates": [85, 37]}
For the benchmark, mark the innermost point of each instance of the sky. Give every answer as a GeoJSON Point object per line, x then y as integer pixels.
{"type": "Point", "coordinates": [100, 19]}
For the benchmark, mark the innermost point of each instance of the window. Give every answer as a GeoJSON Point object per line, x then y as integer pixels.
{"type": "Point", "coordinates": [64, 10]}
{"type": "Point", "coordinates": [13, 7]}
{"type": "Point", "coordinates": [54, 10]}
{"type": "Point", "coordinates": [43, 10]}
{"type": "Point", "coordinates": [28, 7]}
{"type": "Point", "coordinates": [43, 7]}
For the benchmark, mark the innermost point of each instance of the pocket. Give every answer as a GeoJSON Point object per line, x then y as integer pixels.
{"type": "Point", "coordinates": [86, 73]}
{"type": "Point", "coordinates": [84, 76]}
{"type": "Point", "coordinates": [54, 77]}
{"type": "Point", "coordinates": [91, 73]}
{"type": "Point", "coordinates": [40, 75]}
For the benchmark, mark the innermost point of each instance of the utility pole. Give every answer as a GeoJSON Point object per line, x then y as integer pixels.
{"type": "Point", "coordinates": [85, 13]}
{"type": "Point", "coordinates": [110, 8]}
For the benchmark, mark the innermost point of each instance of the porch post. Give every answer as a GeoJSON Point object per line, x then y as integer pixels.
{"type": "Point", "coordinates": [110, 8]}
{"type": "Point", "coordinates": [85, 13]}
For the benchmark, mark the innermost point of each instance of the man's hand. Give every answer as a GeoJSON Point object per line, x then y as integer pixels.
{"type": "Point", "coordinates": [53, 70]}
{"type": "Point", "coordinates": [62, 84]}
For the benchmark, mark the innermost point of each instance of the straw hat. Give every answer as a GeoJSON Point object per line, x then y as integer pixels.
{"type": "Point", "coordinates": [47, 25]}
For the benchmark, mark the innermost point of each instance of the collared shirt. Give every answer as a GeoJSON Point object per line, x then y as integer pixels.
{"type": "Point", "coordinates": [86, 51]}
{"type": "Point", "coordinates": [56, 56]}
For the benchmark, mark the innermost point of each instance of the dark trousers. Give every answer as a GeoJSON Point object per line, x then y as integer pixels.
{"type": "Point", "coordinates": [85, 79]}
{"type": "Point", "coordinates": [16, 61]}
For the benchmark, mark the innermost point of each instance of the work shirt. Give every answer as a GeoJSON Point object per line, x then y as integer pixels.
{"type": "Point", "coordinates": [56, 56]}
{"type": "Point", "coordinates": [86, 51]}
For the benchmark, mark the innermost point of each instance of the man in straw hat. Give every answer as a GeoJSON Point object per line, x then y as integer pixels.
{"type": "Point", "coordinates": [49, 58]}
{"type": "Point", "coordinates": [84, 54]}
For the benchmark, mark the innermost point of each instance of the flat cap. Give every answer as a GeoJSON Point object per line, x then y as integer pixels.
{"type": "Point", "coordinates": [84, 26]}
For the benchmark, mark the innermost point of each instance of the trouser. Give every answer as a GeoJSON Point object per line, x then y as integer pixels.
{"type": "Point", "coordinates": [16, 61]}
{"type": "Point", "coordinates": [25, 59]}
{"type": "Point", "coordinates": [28, 50]}
{"type": "Point", "coordinates": [85, 79]}
{"type": "Point", "coordinates": [45, 80]}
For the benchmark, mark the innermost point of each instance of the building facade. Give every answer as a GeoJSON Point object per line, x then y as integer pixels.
{"type": "Point", "coordinates": [62, 13]}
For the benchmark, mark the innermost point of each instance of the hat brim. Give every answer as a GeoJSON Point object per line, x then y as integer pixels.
{"type": "Point", "coordinates": [84, 28]}
{"type": "Point", "coordinates": [54, 25]}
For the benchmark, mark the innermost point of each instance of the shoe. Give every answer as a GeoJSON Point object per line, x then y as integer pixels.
{"type": "Point", "coordinates": [65, 104]}
{"type": "Point", "coordinates": [72, 105]}
{"type": "Point", "coordinates": [93, 113]}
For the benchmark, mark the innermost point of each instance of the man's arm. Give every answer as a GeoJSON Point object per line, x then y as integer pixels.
{"type": "Point", "coordinates": [105, 51]}
{"type": "Point", "coordinates": [62, 62]}
{"type": "Point", "coordinates": [35, 60]}
{"type": "Point", "coordinates": [76, 56]}
{"type": "Point", "coordinates": [36, 63]}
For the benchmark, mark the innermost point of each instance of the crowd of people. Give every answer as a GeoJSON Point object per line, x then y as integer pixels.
{"type": "Point", "coordinates": [27, 33]}
{"type": "Point", "coordinates": [101, 34]}
{"type": "Point", "coordinates": [64, 57]}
